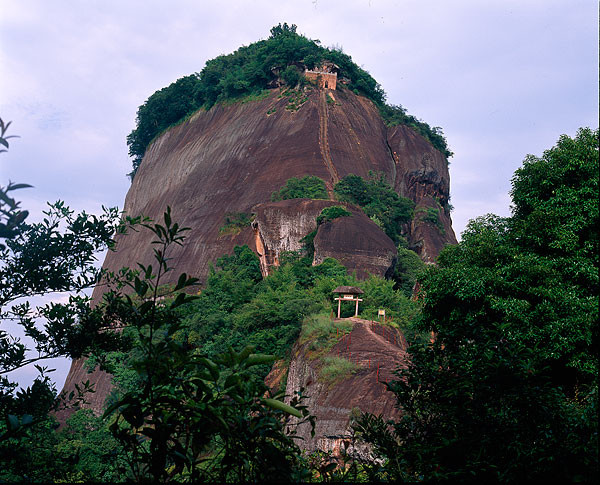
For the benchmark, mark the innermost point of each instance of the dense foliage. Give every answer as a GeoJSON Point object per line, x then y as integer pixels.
{"type": "Point", "coordinates": [83, 450]}
{"type": "Point", "coordinates": [332, 212]}
{"type": "Point", "coordinates": [250, 70]}
{"type": "Point", "coordinates": [307, 187]}
{"type": "Point", "coordinates": [508, 389]}
{"type": "Point", "coordinates": [379, 201]}
{"type": "Point", "coordinates": [164, 108]}
{"type": "Point", "coordinates": [408, 269]}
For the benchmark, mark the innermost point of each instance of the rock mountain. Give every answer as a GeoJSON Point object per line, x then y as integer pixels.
{"type": "Point", "coordinates": [232, 157]}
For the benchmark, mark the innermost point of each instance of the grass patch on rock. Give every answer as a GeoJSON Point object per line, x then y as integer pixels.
{"type": "Point", "coordinates": [321, 334]}
{"type": "Point", "coordinates": [235, 222]}
{"type": "Point", "coordinates": [336, 369]}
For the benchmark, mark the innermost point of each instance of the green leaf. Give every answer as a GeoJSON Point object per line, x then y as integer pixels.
{"type": "Point", "coordinates": [243, 355]}
{"type": "Point", "coordinates": [18, 186]}
{"type": "Point", "coordinates": [133, 415]}
{"type": "Point", "coordinates": [212, 367]}
{"type": "Point", "coordinates": [181, 281]}
{"type": "Point", "coordinates": [180, 300]}
{"type": "Point", "coordinates": [12, 421]}
{"type": "Point", "coordinates": [232, 381]}
{"type": "Point", "coordinates": [280, 406]}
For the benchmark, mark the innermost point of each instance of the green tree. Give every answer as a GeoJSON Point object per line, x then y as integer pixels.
{"type": "Point", "coordinates": [396, 115]}
{"type": "Point", "coordinates": [407, 270]}
{"type": "Point", "coordinates": [89, 450]}
{"type": "Point", "coordinates": [238, 307]}
{"type": "Point", "coordinates": [307, 187]}
{"type": "Point", "coordinates": [283, 29]}
{"type": "Point", "coordinates": [160, 111]}
{"type": "Point", "coordinates": [291, 75]}
{"type": "Point", "coordinates": [508, 391]}
{"type": "Point", "coordinates": [54, 255]}
{"type": "Point", "coordinates": [193, 418]}
{"type": "Point", "coordinates": [378, 200]}
{"type": "Point", "coordinates": [332, 212]}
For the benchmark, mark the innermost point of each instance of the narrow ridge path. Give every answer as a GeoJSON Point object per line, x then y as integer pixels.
{"type": "Point", "coordinates": [324, 145]}
{"type": "Point", "coordinates": [383, 341]}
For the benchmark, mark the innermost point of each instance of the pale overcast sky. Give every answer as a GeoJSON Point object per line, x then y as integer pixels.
{"type": "Point", "coordinates": [503, 78]}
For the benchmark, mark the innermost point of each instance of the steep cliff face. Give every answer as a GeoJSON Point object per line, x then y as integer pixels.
{"type": "Point", "coordinates": [231, 158]}
{"type": "Point", "coordinates": [355, 241]}
{"type": "Point", "coordinates": [422, 176]}
{"type": "Point", "coordinates": [358, 243]}
{"type": "Point", "coordinates": [377, 351]}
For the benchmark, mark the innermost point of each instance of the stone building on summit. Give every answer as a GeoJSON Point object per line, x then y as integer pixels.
{"type": "Point", "coordinates": [325, 76]}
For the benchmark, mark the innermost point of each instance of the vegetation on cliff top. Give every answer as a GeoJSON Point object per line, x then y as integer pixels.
{"type": "Point", "coordinates": [252, 69]}
{"type": "Point", "coordinates": [332, 212]}
{"type": "Point", "coordinates": [379, 201]}
{"type": "Point", "coordinates": [235, 222]}
{"type": "Point", "coordinates": [307, 187]}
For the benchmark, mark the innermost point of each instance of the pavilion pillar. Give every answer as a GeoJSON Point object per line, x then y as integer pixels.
{"type": "Point", "coordinates": [339, 306]}
{"type": "Point", "coordinates": [356, 312]}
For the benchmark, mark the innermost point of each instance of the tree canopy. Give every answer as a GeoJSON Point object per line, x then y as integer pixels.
{"type": "Point", "coordinates": [507, 391]}
{"type": "Point", "coordinates": [378, 200]}
{"type": "Point", "coordinates": [309, 187]}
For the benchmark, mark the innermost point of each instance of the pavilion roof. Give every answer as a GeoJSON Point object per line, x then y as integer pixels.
{"type": "Point", "coordinates": [351, 290]}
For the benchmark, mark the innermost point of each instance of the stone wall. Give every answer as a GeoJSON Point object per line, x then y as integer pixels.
{"type": "Point", "coordinates": [325, 80]}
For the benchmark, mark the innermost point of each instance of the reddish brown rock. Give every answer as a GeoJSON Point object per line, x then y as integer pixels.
{"type": "Point", "coordinates": [422, 176]}
{"type": "Point", "coordinates": [377, 350]}
{"type": "Point", "coordinates": [358, 243]}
